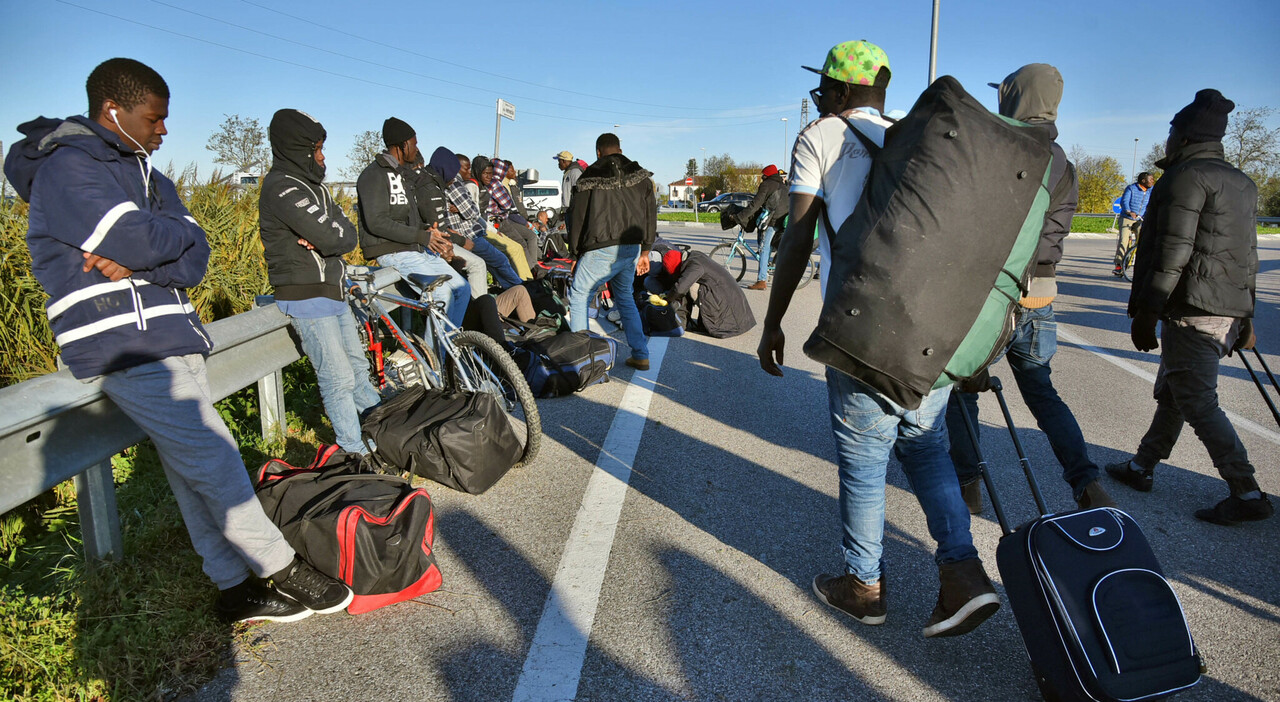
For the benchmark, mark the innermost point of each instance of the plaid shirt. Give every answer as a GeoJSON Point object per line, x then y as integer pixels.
{"type": "Point", "coordinates": [499, 197]}
{"type": "Point", "coordinates": [467, 220]}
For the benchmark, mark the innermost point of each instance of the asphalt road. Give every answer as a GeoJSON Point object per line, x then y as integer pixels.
{"type": "Point", "coordinates": [702, 568]}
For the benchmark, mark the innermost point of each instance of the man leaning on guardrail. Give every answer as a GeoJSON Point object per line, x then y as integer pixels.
{"type": "Point", "coordinates": [115, 249]}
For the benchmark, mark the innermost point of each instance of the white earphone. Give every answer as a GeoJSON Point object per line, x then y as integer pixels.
{"type": "Point", "coordinates": [146, 174]}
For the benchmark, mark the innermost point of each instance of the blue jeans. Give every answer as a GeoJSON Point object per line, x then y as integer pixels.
{"type": "Point", "coordinates": [170, 400]}
{"type": "Point", "coordinates": [1034, 342]}
{"type": "Point", "coordinates": [615, 265]}
{"type": "Point", "coordinates": [497, 262]}
{"type": "Point", "coordinates": [766, 248]}
{"type": "Point", "coordinates": [342, 370]}
{"type": "Point", "coordinates": [456, 292]}
{"type": "Point", "coordinates": [867, 427]}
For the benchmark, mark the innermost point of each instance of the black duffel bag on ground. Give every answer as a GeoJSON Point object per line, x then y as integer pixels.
{"type": "Point", "coordinates": [461, 440]}
{"type": "Point", "coordinates": [373, 532]}
{"type": "Point", "coordinates": [566, 363]}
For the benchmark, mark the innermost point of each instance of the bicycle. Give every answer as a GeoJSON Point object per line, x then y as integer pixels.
{"type": "Point", "coordinates": [444, 357]}
{"type": "Point", "coordinates": [1130, 252]}
{"type": "Point", "coordinates": [733, 256]}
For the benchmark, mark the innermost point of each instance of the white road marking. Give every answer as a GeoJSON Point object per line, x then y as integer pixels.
{"type": "Point", "coordinates": [554, 665]}
{"type": "Point", "coordinates": [1240, 422]}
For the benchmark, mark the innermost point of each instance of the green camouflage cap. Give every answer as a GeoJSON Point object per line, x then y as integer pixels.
{"type": "Point", "coordinates": [855, 62]}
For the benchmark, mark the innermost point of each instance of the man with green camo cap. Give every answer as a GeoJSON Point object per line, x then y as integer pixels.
{"type": "Point", "coordinates": [829, 166]}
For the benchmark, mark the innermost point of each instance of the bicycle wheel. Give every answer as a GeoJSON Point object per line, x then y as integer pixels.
{"type": "Point", "coordinates": [482, 365]}
{"type": "Point", "coordinates": [732, 257]}
{"type": "Point", "coordinates": [1126, 262]}
{"type": "Point", "coordinates": [810, 272]}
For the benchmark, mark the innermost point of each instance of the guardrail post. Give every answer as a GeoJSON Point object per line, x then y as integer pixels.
{"type": "Point", "coordinates": [99, 518]}
{"type": "Point", "coordinates": [271, 404]}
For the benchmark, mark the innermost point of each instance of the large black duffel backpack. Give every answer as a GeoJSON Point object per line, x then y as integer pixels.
{"type": "Point", "coordinates": [927, 272]}
{"type": "Point", "coordinates": [373, 532]}
{"type": "Point", "coordinates": [461, 440]}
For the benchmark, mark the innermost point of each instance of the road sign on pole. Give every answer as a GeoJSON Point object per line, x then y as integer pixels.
{"type": "Point", "coordinates": [688, 181]}
{"type": "Point", "coordinates": [505, 109]}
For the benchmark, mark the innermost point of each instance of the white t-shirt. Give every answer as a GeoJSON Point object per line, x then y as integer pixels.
{"type": "Point", "coordinates": [830, 163]}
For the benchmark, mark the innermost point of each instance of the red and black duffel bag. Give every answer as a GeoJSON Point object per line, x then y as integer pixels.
{"type": "Point", "coordinates": [371, 531]}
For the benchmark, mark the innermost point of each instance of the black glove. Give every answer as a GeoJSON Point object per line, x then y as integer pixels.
{"type": "Point", "coordinates": [980, 382]}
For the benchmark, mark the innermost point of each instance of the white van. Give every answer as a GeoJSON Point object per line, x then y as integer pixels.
{"type": "Point", "coordinates": [543, 194]}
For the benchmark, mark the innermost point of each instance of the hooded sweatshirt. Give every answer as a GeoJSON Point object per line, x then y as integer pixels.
{"type": "Point", "coordinates": [89, 192]}
{"type": "Point", "coordinates": [294, 205]}
{"type": "Point", "coordinates": [1031, 94]}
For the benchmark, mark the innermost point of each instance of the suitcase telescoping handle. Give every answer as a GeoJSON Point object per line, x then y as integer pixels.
{"type": "Point", "coordinates": [997, 388]}
{"type": "Point", "coordinates": [1261, 388]}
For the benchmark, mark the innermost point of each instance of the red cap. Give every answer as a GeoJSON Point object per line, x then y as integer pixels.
{"type": "Point", "coordinates": [671, 261]}
{"type": "Point", "coordinates": [769, 170]}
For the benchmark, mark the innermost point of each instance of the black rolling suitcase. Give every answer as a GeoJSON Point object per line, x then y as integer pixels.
{"type": "Point", "coordinates": [1262, 388]}
{"type": "Point", "coordinates": [1097, 617]}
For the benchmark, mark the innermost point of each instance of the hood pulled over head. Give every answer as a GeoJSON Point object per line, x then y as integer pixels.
{"type": "Point", "coordinates": [445, 162]}
{"type": "Point", "coordinates": [1031, 93]}
{"type": "Point", "coordinates": [294, 135]}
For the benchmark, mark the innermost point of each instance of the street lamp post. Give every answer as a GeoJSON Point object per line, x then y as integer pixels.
{"type": "Point", "coordinates": [933, 45]}
{"type": "Point", "coordinates": [704, 175]}
{"type": "Point", "coordinates": [1135, 158]}
{"type": "Point", "coordinates": [784, 140]}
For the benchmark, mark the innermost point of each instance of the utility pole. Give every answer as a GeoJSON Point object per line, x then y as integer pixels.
{"type": "Point", "coordinates": [804, 112]}
{"type": "Point", "coordinates": [933, 45]}
{"type": "Point", "coordinates": [1135, 159]}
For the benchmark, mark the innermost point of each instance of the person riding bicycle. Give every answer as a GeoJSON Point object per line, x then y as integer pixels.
{"type": "Point", "coordinates": [772, 197]}
{"type": "Point", "coordinates": [1133, 204]}
{"type": "Point", "coordinates": [304, 235]}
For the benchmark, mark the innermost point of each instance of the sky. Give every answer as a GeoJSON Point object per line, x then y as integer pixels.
{"type": "Point", "coordinates": [673, 81]}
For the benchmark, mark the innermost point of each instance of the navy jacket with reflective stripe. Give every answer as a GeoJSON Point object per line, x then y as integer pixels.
{"type": "Point", "coordinates": [88, 194]}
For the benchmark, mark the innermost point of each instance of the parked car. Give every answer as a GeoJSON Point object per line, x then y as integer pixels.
{"type": "Point", "coordinates": [723, 200]}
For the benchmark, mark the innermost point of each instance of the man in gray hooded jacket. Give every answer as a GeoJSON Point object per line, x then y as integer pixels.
{"type": "Point", "coordinates": [1031, 94]}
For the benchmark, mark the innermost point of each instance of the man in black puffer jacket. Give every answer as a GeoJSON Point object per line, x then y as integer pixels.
{"type": "Point", "coordinates": [614, 221]}
{"type": "Point", "coordinates": [1195, 272]}
{"type": "Point", "coordinates": [304, 235]}
{"type": "Point", "coordinates": [771, 196]}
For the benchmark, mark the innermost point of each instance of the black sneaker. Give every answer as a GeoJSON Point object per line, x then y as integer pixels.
{"type": "Point", "coordinates": [1234, 510]}
{"type": "Point", "coordinates": [254, 600]}
{"type": "Point", "coordinates": [966, 599]}
{"type": "Point", "coordinates": [865, 603]}
{"type": "Point", "coordinates": [311, 588]}
{"type": "Point", "coordinates": [1140, 480]}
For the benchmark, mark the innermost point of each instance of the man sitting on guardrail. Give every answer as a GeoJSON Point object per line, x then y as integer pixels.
{"type": "Point", "coordinates": [391, 229]}
{"type": "Point", "coordinates": [304, 235]}
{"type": "Point", "coordinates": [115, 249]}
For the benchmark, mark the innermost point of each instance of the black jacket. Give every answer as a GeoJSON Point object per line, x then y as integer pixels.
{"type": "Point", "coordinates": [612, 205]}
{"type": "Point", "coordinates": [772, 194]}
{"type": "Point", "coordinates": [389, 218]}
{"type": "Point", "coordinates": [1198, 249]}
{"type": "Point", "coordinates": [722, 306]}
{"type": "Point", "coordinates": [1064, 191]}
{"type": "Point", "coordinates": [293, 205]}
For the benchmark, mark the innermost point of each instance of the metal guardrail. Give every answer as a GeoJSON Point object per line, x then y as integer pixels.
{"type": "Point", "coordinates": [1264, 221]}
{"type": "Point", "coordinates": [55, 427]}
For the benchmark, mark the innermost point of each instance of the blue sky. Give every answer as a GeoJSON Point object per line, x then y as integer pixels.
{"type": "Point", "coordinates": [676, 78]}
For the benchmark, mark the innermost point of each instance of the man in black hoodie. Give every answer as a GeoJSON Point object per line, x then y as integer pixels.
{"type": "Point", "coordinates": [1196, 272]}
{"type": "Point", "coordinates": [304, 235]}
{"type": "Point", "coordinates": [613, 222]}
{"type": "Point", "coordinates": [1031, 94]}
{"type": "Point", "coordinates": [391, 228]}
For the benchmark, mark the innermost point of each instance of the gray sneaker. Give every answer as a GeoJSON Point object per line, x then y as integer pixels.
{"type": "Point", "coordinates": [865, 603]}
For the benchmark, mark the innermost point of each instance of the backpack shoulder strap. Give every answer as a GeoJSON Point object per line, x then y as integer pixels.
{"type": "Point", "coordinates": [872, 147]}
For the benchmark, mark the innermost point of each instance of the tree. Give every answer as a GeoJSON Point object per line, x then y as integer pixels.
{"type": "Point", "coordinates": [1250, 144]}
{"type": "Point", "coordinates": [367, 145]}
{"type": "Point", "coordinates": [691, 168]}
{"type": "Point", "coordinates": [1149, 161]}
{"type": "Point", "coordinates": [241, 144]}
{"type": "Point", "coordinates": [1101, 180]}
